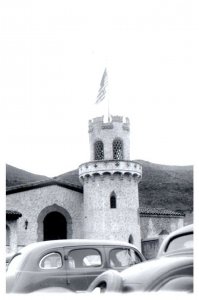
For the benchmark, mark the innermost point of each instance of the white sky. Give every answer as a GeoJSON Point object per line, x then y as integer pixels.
{"type": "Point", "coordinates": [52, 57]}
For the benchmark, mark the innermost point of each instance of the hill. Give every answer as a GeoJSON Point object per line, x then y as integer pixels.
{"type": "Point", "coordinates": [166, 186]}
{"type": "Point", "coordinates": [161, 186]}
{"type": "Point", "coordinates": [16, 176]}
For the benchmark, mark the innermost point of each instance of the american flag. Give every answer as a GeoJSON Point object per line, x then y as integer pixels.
{"type": "Point", "coordinates": [102, 89]}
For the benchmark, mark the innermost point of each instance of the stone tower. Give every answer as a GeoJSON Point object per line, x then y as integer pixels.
{"type": "Point", "coordinates": [110, 181]}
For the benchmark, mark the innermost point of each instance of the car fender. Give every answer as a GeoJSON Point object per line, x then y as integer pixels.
{"type": "Point", "coordinates": [109, 281]}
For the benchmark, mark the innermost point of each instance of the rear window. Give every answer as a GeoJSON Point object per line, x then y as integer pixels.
{"type": "Point", "coordinates": [51, 261]}
{"type": "Point", "coordinates": [181, 242]}
{"type": "Point", "coordinates": [123, 257]}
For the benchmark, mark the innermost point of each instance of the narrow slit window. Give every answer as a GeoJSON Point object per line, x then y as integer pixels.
{"type": "Point", "coordinates": [113, 203]}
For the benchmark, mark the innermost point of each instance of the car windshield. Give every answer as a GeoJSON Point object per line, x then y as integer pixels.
{"type": "Point", "coordinates": [181, 242]}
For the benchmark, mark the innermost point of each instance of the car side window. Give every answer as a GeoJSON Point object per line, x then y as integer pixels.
{"type": "Point", "coordinates": [123, 257]}
{"type": "Point", "coordinates": [51, 261]}
{"type": "Point", "coordinates": [83, 258]}
{"type": "Point", "coordinates": [180, 242]}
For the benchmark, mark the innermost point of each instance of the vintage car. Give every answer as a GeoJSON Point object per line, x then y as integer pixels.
{"type": "Point", "coordinates": [9, 257]}
{"type": "Point", "coordinates": [179, 240]}
{"type": "Point", "coordinates": [69, 264]}
{"type": "Point", "coordinates": [172, 270]}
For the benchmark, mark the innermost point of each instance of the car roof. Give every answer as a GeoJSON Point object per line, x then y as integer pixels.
{"type": "Point", "coordinates": [184, 230]}
{"type": "Point", "coordinates": [144, 273]}
{"type": "Point", "coordinates": [44, 245]}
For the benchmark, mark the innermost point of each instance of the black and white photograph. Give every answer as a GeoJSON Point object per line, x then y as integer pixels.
{"type": "Point", "coordinates": [99, 127]}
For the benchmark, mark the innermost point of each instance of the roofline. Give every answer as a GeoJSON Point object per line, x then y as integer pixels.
{"type": "Point", "coordinates": [43, 183]}
{"type": "Point", "coordinates": [161, 215]}
{"type": "Point", "coordinates": [159, 211]}
{"type": "Point", "coordinates": [12, 215]}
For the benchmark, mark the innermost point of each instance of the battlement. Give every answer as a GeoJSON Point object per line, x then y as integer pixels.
{"type": "Point", "coordinates": [99, 122]}
{"type": "Point", "coordinates": [111, 167]}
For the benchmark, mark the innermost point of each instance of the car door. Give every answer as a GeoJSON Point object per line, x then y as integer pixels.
{"type": "Point", "coordinates": [83, 265]}
{"type": "Point", "coordinates": [40, 271]}
{"type": "Point", "coordinates": [52, 272]}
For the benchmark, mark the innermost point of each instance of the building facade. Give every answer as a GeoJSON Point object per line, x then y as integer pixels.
{"type": "Point", "coordinates": [102, 204]}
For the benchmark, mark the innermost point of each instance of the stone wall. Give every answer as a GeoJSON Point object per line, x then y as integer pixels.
{"type": "Point", "coordinates": [151, 232]}
{"type": "Point", "coordinates": [103, 222]}
{"type": "Point", "coordinates": [152, 226]}
{"type": "Point", "coordinates": [11, 236]}
{"type": "Point", "coordinates": [32, 202]}
{"type": "Point", "coordinates": [188, 217]}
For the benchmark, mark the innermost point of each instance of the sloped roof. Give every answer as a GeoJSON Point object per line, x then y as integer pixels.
{"type": "Point", "coordinates": [71, 177]}
{"type": "Point", "coordinates": [18, 180]}
{"type": "Point", "coordinates": [43, 183]}
{"type": "Point", "coordinates": [146, 211]}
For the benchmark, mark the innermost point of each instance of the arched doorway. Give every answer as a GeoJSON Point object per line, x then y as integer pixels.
{"type": "Point", "coordinates": [55, 226]}
{"type": "Point", "coordinates": [54, 222]}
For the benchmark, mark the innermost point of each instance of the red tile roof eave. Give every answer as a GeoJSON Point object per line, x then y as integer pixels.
{"type": "Point", "coordinates": [43, 183]}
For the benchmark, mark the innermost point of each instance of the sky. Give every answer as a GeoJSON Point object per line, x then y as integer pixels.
{"type": "Point", "coordinates": [52, 57]}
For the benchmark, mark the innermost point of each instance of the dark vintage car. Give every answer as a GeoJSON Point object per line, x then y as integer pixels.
{"type": "Point", "coordinates": [172, 270]}
{"type": "Point", "coordinates": [69, 264]}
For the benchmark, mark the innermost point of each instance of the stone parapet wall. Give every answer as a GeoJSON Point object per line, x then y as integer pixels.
{"type": "Point", "coordinates": [110, 166]}
{"type": "Point", "coordinates": [118, 127]}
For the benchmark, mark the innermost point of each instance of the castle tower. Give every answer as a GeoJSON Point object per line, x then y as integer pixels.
{"type": "Point", "coordinates": [110, 181]}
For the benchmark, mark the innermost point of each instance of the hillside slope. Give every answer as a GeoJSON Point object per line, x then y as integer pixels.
{"type": "Point", "coordinates": [166, 186]}
{"type": "Point", "coordinates": [16, 176]}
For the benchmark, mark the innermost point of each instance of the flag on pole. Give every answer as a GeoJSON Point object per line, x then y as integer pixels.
{"type": "Point", "coordinates": [102, 89]}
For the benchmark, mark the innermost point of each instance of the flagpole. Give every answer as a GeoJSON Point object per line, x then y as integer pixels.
{"type": "Point", "coordinates": [108, 109]}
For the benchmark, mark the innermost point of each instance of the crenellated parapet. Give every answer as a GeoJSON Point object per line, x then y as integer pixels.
{"type": "Point", "coordinates": [127, 168]}
{"type": "Point", "coordinates": [100, 124]}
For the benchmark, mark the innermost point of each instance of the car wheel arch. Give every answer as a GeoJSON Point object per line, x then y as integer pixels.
{"type": "Point", "coordinates": [109, 281]}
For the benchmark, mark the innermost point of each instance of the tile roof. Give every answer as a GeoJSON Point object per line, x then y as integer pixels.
{"type": "Point", "coordinates": [13, 214]}
{"type": "Point", "coordinates": [43, 183]}
{"type": "Point", "coordinates": [159, 212]}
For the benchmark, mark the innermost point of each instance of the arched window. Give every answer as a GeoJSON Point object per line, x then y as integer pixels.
{"type": "Point", "coordinates": [117, 149]}
{"type": "Point", "coordinates": [99, 150]}
{"type": "Point", "coordinates": [131, 241]}
{"type": "Point", "coordinates": [113, 203]}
